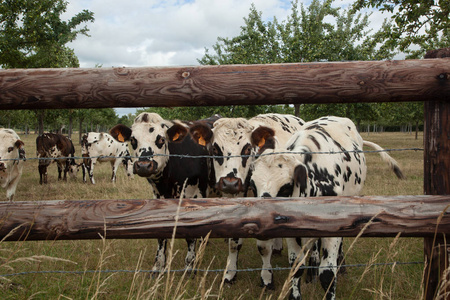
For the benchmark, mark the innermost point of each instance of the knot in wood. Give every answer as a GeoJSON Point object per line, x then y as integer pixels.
{"type": "Point", "coordinates": [361, 82]}
{"type": "Point", "coordinates": [185, 75]}
{"type": "Point", "coordinates": [443, 76]}
{"type": "Point", "coordinates": [251, 228]}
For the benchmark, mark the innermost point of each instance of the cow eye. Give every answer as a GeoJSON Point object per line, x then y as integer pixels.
{"type": "Point", "coordinates": [216, 150]}
{"type": "Point", "coordinates": [133, 143]}
{"type": "Point", "coordinates": [286, 190]}
{"type": "Point", "coordinates": [247, 150]}
{"type": "Point", "coordinates": [10, 149]}
{"type": "Point", "coordinates": [160, 141]}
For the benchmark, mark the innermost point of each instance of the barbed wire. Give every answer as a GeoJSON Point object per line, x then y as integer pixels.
{"type": "Point", "coordinates": [210, 271]}
{"type": "Point", "coordinates": [212, 156]}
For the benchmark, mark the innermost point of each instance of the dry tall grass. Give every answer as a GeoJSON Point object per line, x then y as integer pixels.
{"type": "Point", "coordinates": [95, 257]}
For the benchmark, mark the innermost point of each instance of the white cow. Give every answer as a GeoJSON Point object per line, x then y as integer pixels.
{"type": "Point", "coordinates": [304, 173]}
{"type": "Point", "coordinates": [102, 147]}
{"type": "Point", "coordinates": [231, 144]}
{"type": "Point", "coordinates": [12, 155]}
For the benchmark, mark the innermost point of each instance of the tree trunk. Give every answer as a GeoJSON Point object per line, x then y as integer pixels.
{"type": "Point", "coordinates": [297, 110]}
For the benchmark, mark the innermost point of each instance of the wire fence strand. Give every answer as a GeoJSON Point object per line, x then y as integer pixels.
{"type": "Point", "coordinates": [214, 156]}
{"type": "Point", "coordinates": [210, 271]}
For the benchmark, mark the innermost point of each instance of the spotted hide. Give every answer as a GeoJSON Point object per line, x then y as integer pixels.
{"type": "Point", "coordinates": [304, 173]}
{"type": "Point", "coordinates": [12, 155]}
{"type": "Point", "coordinates": [102, 147]}
{"type": "Point", "coordinates": [54, 147]}
{"type": "Point", "coordinates": [152, 140]}
{"type": "Point", "coordinates": [230, 144]}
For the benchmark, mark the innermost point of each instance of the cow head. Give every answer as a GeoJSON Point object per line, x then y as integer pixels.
{"type": "Point", "coordinates": [11, 149]}
{"type": "Point", "coordinates": [280, 175]}
{"type": "Point", "coordinates": [149, 137]}
{"type": "Point", "coordinates": [73, 168]}
{"type": "Point", "coordinates": [230, 144]}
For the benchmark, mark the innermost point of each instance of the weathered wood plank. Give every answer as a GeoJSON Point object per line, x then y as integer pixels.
{"type": "Point", "coordinates": [324, 82]}
{"type": "Point", "coordinates": [413, 216]}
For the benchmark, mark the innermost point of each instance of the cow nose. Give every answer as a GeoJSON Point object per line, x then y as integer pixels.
{"type": "Point", "coordinates": [230, 185]}
{"type": "Point", "coordinates": [266, 195]}
{"type": "Point", "coordinates": [145, 168]}
{"type": "Point", "coordinates": [2, 167]}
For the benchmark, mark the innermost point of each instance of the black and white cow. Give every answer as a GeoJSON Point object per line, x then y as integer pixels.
{"type": "Point", "coordinates": [12, 155]}
{"type": "Point", "coordinates": [152, 139]}
{"type": "Point", "coordinates": [230, 143]}
{"type": "Point", "coordinates": [102, 147]}
{"type": "Point", "coordinates": [304, 173]}
{"type": "Point", "coordinates": [55, 147]}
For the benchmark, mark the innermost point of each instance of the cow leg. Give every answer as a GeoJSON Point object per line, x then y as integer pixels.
{"type": "Point", "coordinates": [11, 189]}
{"type": "Point", "coordinates": [115, 165]}
{"type": "Point", "coordinates": [91, 170]}
{"type": "Point", "coordinates": [297, 248]}
{"type": "Point", "coordinates": [265, 250]}
{"type": "Point", "coordinates": [66, 169]}
{"type": "Point", "coordinates": [314, 261]}
{"type": "Point", "coordinates": [277, 246]}
{"type": "Point", "coordinates": [190, 256]}
{"type": "Point", "coordinates": [42, 173]}
{"type": "Point", "coordinates": [160, 259]}
{"type": "Point", "coordinates": [328, 265]}
{"type": "Point", "coordinates": [59, 169]}
{"type": "Point", "coordinates": [234, 245]}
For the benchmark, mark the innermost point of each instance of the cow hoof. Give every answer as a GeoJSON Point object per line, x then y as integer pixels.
{"type": "Point", "coordinates": [230, 281]}
{"type": "Point", "coordinates": [268, 287]}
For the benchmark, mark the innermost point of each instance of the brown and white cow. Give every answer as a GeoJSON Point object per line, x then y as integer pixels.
{"type": "Point", "coordinates": [12, 155]}
{"type": "Point", "coordinates": [152, 140]}
{"type": "Point", "coordinates": [306, 173]}
{"type": "Point", "coordinates": [230, 143]}
{"type": "Point", "coordinates": [55, 147]}
{"type": "Point", "coordinates": [102, 147]}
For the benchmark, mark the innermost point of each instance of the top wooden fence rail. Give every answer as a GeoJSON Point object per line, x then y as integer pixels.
{"type": "Point", "coordinates": [322, 82]}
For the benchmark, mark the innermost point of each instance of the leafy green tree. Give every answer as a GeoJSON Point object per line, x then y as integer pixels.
{"type": "Point", "coordinates": [318, 32]}
{"type": "Point", "coordinates": [32, 35]}
{"type": "Point", "coordinates": [416, 24]}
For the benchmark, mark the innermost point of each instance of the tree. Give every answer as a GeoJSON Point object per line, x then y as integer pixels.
{"type": "Point", "coordinates": [32, 35]}
{"type": "Point", "coordinates": [319, 32]}
{"type": "Point", "coordinates": [416, 23]}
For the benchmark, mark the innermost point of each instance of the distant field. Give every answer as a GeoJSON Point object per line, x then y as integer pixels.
{"type": "Point", "coordinates": [90, 257]}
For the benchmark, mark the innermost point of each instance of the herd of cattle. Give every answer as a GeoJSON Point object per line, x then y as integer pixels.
{"type": "Point", "coordinates": [270, 155]}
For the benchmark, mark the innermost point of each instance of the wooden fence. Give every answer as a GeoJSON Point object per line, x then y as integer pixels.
{"type": "Point", "coordinates": [338, 82]}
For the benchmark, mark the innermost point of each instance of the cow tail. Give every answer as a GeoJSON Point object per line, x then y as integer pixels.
{"type": "Point", "coordinates": [387, 158]}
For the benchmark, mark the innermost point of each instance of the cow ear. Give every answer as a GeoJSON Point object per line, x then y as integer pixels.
{"type": "Point", "coordinates": [201, 133]}
{"type": "Point", "coordinates": [121, 133]}
{"type": "Point", "coordinates": [264, 138]}
{"type": "Point", "coordinates": [19, 145]}
{"type": "Point", "coordinates": [301, 178]}
{"type": "Point", "coordinates": [177, 133]}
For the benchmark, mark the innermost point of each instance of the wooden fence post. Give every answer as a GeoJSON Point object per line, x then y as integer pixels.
{"type": "Point", "coordinates": [437, 182]}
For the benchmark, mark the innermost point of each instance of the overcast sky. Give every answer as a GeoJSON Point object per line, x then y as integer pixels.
{"type": "Point", "coordinates": [137, 33]}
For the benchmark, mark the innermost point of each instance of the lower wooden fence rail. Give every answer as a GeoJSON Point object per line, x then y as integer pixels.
{"type": "Point", "coordinates": [375, 216]}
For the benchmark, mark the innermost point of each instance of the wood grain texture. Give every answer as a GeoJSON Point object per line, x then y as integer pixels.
{"type": "Point", "coordinates": [413, 216]}
{"type": "Point", "coordinates": [323, 82]}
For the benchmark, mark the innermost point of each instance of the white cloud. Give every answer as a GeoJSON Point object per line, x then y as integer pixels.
{"type": "Point", "coordinates": [160, 33]}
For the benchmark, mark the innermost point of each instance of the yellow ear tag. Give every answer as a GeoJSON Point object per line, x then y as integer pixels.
{"type": "Point", "coordinates": [120, 138]}
{"type": "Point", "coordinates": [202, 141]}
{"type": "Point", "coordinates": [176, 136]}
{"type": "Point", "coordinates": [262, 142]}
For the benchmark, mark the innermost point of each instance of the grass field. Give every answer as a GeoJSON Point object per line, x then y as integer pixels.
{"type": "Point", "coordinates": [92, 256]}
